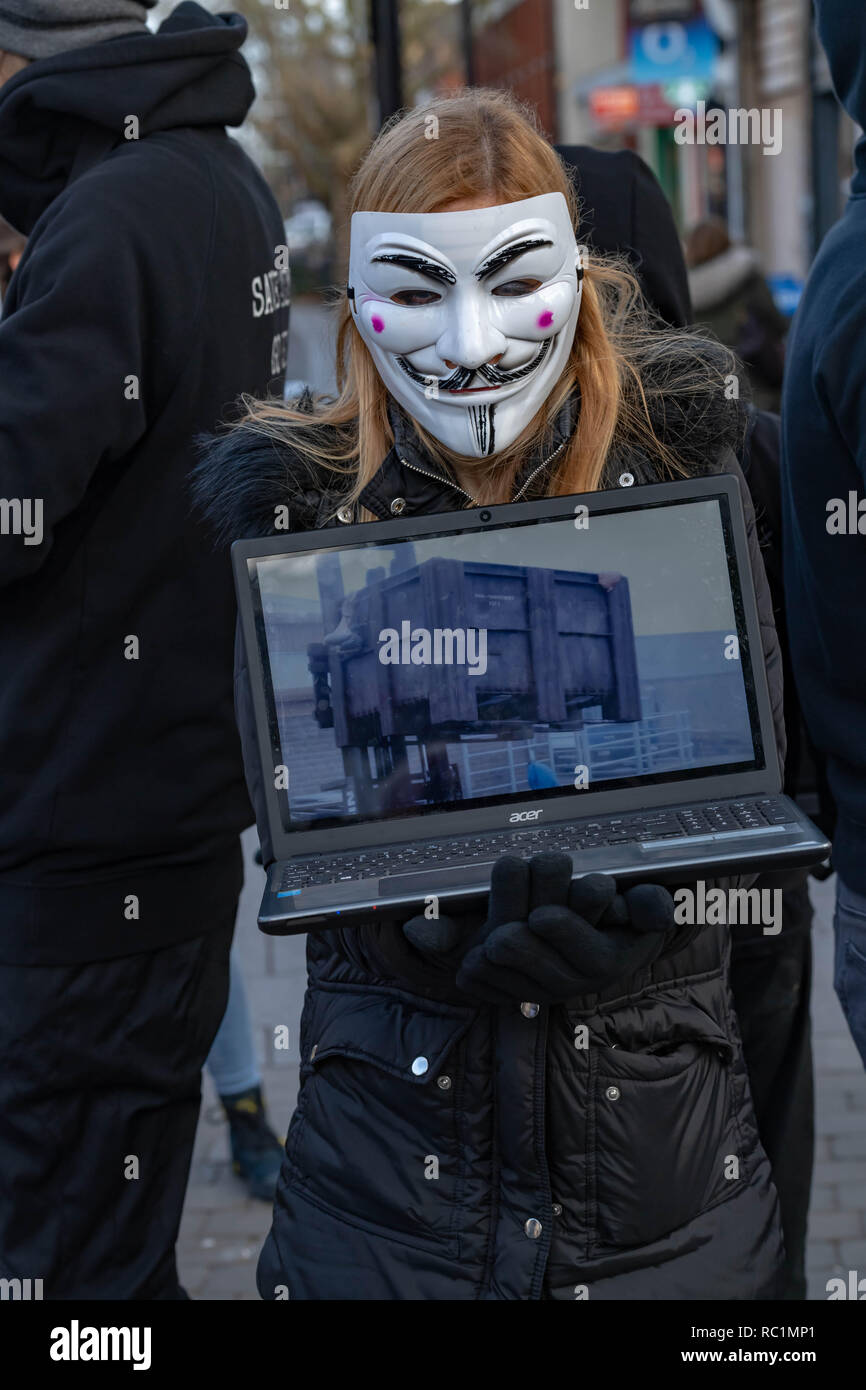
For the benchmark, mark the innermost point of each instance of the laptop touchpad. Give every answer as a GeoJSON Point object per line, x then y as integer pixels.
{"type": "Point", "coordinates": [424, 883]}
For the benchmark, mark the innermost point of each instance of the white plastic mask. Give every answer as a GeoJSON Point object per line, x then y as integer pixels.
{"type": "Point", "coordinates": [469, 316]}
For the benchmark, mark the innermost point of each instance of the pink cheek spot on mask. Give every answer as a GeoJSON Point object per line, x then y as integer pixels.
{"type": "Point", "coordinates": [378, 324]}
{"type": "Point", "coordinates": [545, 319]}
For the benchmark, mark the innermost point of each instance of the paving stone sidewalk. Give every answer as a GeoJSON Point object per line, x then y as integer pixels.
{"type": "Point", "coordinates": [223, 1231]}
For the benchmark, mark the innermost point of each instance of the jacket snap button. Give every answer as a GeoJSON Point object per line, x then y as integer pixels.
{"type": "Point", "coordinates": [529, 1010]}
{"type": "Point", "coordinates": [444, 1083]}
{"type": "Point", "coordinates": [344, 514]}
{"type": "Point", "coordinates": [398, 506]}
{"type": "Point", "coordinates": [612, 1093]}
{"type": "Point", "coordinates": [533, 1228]}
{"type": "Point", "coordinates": [557, 1209]}
{"type": "Point", "coordinates": [419, 1066]}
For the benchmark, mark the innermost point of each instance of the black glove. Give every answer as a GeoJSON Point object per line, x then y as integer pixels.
{"type": "Point", "coordinates": [444, 941]}
{"type": "Point", "coordinates": [546, 937]}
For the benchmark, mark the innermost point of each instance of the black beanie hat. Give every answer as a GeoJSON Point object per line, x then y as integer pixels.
{"type": "Point", "coordinates": [41, 28]}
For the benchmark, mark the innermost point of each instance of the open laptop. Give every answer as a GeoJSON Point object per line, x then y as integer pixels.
{"type": "Point", "coordinates": [578, 673]}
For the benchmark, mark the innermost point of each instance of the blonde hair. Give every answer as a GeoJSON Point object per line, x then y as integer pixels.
{"type": "Point", "coordinates": [488, 145]}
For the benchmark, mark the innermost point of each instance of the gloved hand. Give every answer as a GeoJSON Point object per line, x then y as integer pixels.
{"type": "Point", "coordinates": [547, 938]}
{"type": "Point", "coordinates": [444, 941]}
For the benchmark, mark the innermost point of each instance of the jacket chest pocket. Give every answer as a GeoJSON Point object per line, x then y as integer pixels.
{"type": "Point", "coordinates": [376, 1139]}
{"type": "Point", "coordinates": [665, 1143]}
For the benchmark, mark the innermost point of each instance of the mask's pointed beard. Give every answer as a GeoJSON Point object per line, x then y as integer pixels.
{"type": "Point", "coordinates": [500, 378]}
{"type": "Point", "coordinates": [481, 422]}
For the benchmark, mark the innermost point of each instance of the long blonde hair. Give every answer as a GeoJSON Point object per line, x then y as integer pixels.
{"type": "Point", "coordinates": [487, 144]}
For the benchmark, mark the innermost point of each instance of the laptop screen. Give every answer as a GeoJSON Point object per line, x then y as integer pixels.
{"type": "Point", "coordinates": [475, 667]}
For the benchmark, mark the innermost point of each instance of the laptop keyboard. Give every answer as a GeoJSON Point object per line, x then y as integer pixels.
{"type": "Point", "coordinates": [707, 822]}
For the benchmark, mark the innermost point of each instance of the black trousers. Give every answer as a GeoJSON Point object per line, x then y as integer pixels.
{"type": "Point", "coordinates": [100, 1088]}
{"type": "Point", "coordinates": [771, 977]}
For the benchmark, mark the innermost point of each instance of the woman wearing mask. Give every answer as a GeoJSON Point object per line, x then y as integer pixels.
{"type": "Point", "coordinates": [582, 1126]}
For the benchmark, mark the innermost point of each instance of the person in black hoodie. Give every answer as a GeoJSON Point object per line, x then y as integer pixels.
{"type": "Point", "coordinates": [624, 212]}
{"type": "Point", "coordinates": [152, 291]}
{"type": "Point", "coordinates": [824, 514]}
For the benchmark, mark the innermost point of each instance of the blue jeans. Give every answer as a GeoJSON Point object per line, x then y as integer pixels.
{"type": "Point", "coordinates": [232, 1059]}
{"type": "Point", "coordinates": [850, 973]}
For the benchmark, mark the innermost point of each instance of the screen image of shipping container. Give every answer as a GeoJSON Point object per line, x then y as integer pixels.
{"type": "Point", "coordinates": [484, 665]}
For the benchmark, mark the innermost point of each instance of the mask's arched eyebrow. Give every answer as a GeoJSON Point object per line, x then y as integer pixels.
{"type": "Point", "coordinates": [431, 269]}
{"type": "Point", "coordinates": [509, 254]}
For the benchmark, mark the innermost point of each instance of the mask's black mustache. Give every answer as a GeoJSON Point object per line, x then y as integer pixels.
{"type": "Point", "coordinates": [461, 376]}
{"type": "Point", "coordinates": [455, 382]}
{"type": "Point", "coordinates": [500, 378]}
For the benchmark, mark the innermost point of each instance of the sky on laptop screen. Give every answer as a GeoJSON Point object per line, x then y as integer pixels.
{"type": "Point", "coordinates": [572, 653]}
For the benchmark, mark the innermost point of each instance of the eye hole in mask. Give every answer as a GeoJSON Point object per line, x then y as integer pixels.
{"type": "Point", "coordinates": [417, 298]}
{"type": "Point", "coordinates": [513, 288]}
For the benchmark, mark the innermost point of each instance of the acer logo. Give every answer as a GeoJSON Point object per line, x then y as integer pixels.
{"type": "Point", "coordinates": [526, 815]}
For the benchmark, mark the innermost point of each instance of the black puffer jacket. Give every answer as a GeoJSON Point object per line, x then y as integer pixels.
{"type": "Point", "coordinates": [638, 1155]}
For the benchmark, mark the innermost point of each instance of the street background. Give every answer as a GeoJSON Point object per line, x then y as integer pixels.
{"type": "Point", "coordinates": [614, 74]}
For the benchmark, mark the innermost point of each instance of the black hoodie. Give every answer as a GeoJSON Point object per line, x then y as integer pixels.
{"type": "Point", "coordinates": [148, 298]}
{"type": "Point", "coordinates": [824, 471]}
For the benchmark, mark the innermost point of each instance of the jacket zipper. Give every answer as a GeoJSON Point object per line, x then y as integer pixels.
{"type": "Point", "coordinates": [439, 479]}
{"type": "Point", "coordinates": [543, 464]}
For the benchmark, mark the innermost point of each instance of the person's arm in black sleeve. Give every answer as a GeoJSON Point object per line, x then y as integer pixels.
{"type": "Point", "coordinates": [73, 383]}
{"type": "Point", "coordinates": [246, 722]}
